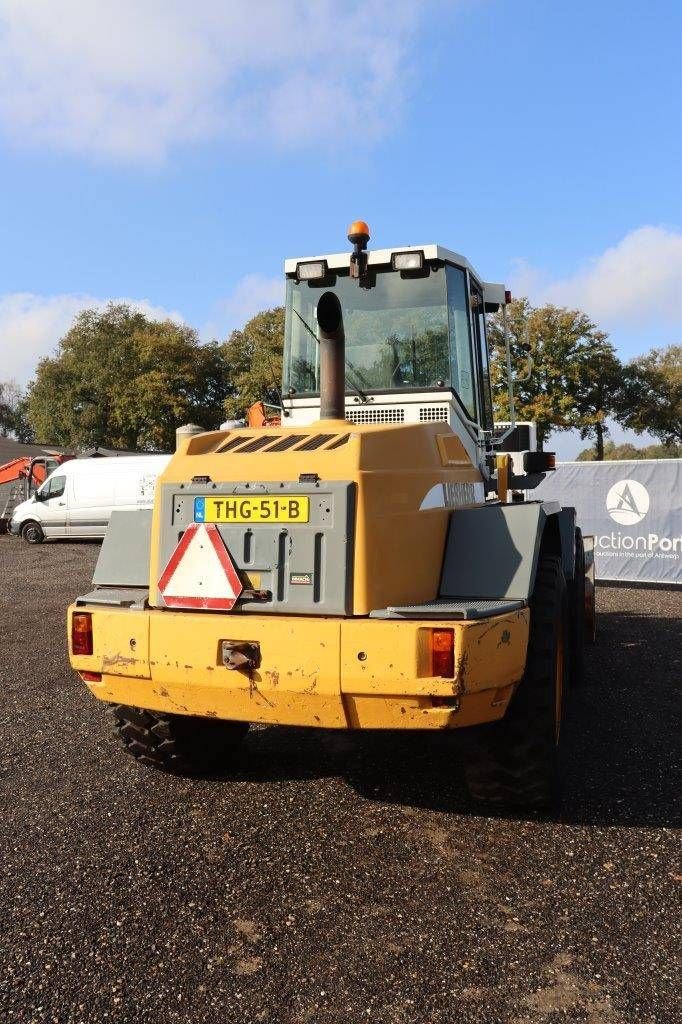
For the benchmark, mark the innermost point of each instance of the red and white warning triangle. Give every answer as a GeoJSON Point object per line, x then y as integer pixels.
{"type": "Point", "coordinates": [200, 572]}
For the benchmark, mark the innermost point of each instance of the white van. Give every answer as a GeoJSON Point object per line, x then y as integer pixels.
{"type": "Point", "coordinates": [78, 497]}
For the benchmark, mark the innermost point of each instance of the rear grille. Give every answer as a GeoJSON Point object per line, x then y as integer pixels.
{"type": "Point", "coordinates": [248, 444]}
{"type": "Point", "coordinates": [288, 441]}
{"type": "Point", "coordinates": [314, 441]}
{"type": "Point", "coordinates": [234, 442]}
{"type": "Point", "coordinates": [389, 414]}
{"type": "Point", "coordinates": [341, 439]}
{"type": "Point", "coordinates": [255, 444]}
{"type": "Point", "coordinates": [434, 414]}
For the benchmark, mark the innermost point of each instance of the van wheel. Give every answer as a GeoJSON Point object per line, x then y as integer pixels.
{"type": "Point", "coordinates": [32, 533]}
{"type": "Point", "coordinates": [179, 744]}
{"type": "Point", "coordinates": [515, 761]}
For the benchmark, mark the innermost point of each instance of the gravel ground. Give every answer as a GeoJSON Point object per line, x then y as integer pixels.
{"type": "Point", "coordinates": [334, 878]}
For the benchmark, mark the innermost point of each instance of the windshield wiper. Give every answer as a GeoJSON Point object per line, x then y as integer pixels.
{"type": "Point", "coordinates": [361, 394]}
{"type": "Point", "coordinates": [358, 391]}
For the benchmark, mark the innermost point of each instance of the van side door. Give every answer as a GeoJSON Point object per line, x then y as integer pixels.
{"type": "Point", "coordinates": [91, 501]}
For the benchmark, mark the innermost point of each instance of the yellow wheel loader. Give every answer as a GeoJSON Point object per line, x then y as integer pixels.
{"type": "Point", "coordinates": [373, 562]}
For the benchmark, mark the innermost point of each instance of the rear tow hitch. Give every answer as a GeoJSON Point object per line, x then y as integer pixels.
{"type": "Point", "coordinates": [240, 655]}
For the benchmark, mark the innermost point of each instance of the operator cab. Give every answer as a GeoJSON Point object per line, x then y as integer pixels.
{"type": "Point", "coordinates": [415, 338]}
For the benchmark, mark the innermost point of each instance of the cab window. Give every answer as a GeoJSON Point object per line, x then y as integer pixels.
{"type": "Point", "coordinates": [461, 358]}
{"type": "Point", "coordinates": [481, 346]}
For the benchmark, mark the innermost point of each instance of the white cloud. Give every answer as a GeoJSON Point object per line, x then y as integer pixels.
{"type": "Point", "coordinates": [133, 78]}
{"type": "Point", "coordinates": [31, 326]}
{"type": "Point", "coordinates": [635, 286]}
{"type": "Point", "coordinates": [633, 290]}
{"type": "Point", "coordinates": [250, 295]}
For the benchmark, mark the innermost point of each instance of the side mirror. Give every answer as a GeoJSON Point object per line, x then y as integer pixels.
{"type": "Point", "coordinates": [39, 497]}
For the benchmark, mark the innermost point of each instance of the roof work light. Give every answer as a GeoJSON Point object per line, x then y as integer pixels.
{"type": "Point", "coordinates": [312, 271]}
{"type": "Point", "coordinates": [408, 260]}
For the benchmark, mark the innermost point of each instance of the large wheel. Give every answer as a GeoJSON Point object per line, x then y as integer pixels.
{"type": "Point", "coordinates": [180, 744]}
{"type": "Point", "coordinates": [590, 596]}
{"type": "Point", "coordinates": [515, 761]}
{"type": "Point", "coordinates": [32, 533]}
{"type": "Point", "coordinates": [577, 595]}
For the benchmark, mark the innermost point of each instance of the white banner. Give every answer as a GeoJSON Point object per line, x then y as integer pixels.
{"type": "Point", "coordinates": [634, 511]}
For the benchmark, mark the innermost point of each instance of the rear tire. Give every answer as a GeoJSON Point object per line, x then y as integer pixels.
{"type": "Point", "coordinates": [515, 761]}
{"type": "Point", "coordinates": [577, 611]}
{"type": "Point", "coordinates": [32, 533]}
{"type": "Point", "coordinates": [179, 744]}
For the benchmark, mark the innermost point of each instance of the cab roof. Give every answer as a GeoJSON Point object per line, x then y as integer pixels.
{"type": "Point", "coordinates": [493, 294]}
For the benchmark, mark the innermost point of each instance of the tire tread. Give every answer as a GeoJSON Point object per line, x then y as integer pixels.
{"type": "Point", "coordinates": [513, 761]}
{"type": "Point", "coordinates": [178, 744]}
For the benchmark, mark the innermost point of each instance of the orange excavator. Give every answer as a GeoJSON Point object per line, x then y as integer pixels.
{"type": "Point", "coordinates": [258, 416]}
{"type": "Point", "coordinates": [26, 473]}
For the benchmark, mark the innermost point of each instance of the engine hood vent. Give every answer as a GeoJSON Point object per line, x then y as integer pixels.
{"type": "Point", "coordinates": [242, 443]}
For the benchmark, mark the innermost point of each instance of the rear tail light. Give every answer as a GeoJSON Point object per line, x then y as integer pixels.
{"type": "Point", "coordinates": [443, 652]}
{"type": "Point", "coordinates": [81, 633]}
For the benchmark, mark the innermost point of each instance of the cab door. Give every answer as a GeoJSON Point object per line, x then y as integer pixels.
{"type": "Point", "coordinates": [53, 507]}
{"type": "Point", "coordinates": [478, 334]}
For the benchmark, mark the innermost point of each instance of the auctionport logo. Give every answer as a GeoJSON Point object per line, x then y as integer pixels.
{"type": "Point", "coordinates": [627, 502]}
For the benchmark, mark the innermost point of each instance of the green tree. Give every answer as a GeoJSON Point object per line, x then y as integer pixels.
{"type": "Point", "coordinates": [13, 412]}
{"type": "Point", "coordinates": [122, 380]}
{"type": "Point", "coordinates": [254, 355]}
{"type": "Point", "coordinates": [651, 396]}
{"type": "Point", "coordinates": [572, 379]}
{"type": "Point", "coordinates": [23, 431]}
{"type": "Point", "coordinates": [614, 452]}
{"type": "Point", "coordinates": [6, 411]}
{"type": "Point", "coordinates": [596, 381]}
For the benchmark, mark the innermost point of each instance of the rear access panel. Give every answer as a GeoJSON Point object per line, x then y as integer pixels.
{"type": "Point", "coordinates": [304, 566]}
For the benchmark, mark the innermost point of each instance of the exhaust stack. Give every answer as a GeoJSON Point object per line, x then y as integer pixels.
{"type": "Point", "coordinates": [332, 358]}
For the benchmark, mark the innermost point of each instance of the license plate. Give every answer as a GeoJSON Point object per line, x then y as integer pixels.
{"type": "Point", "coordinates": [241, 509]}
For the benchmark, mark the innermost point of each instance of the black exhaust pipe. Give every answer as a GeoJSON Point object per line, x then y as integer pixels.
{"type": "Point", "coordinates": [332, 358]}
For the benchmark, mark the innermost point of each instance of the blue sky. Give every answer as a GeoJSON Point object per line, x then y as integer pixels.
{"type": "Point", "coordinates": [174, 154]}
